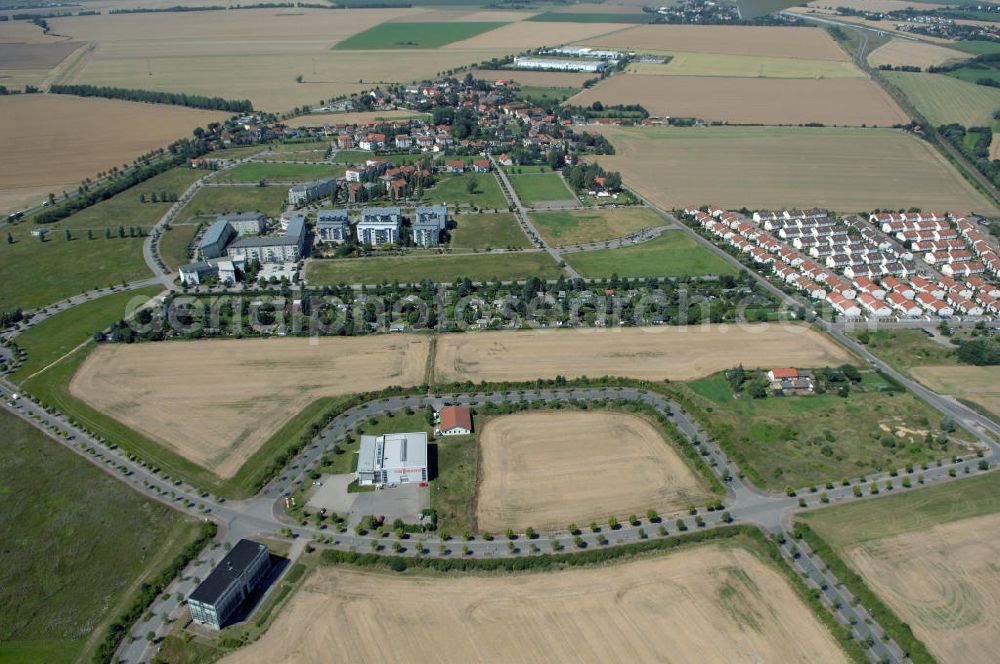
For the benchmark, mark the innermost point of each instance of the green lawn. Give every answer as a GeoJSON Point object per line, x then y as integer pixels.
{"type": "Point", "coordinates": [361, 156]}
{"type": "Point", "coordinates": [77, 543]}
{"type": "Point", "coordinates": [218, 200]}
{"type": "Point", "coordinates": [454, 189]}
{"type": "Point", "coordinates": [236, 153]}
{"type": "Point", "coordinates": [488, 231]}
{"type": "Point", "coordinates": [174, 244]}
{"type": "Point", "coordinates": [976, 47]}
{"type": "Point", "coordinates": [673, 254]}
{"type": "Point", "coordinates": [453, 491]}
{"type": "Point", "coordinates": [575, 227]}
{"type": "Point", "coordinates": [849, 525]}
{"type": "Point", "coordinates": [415, 35]}
{"type": "Point", "coordinates": [544, 187]}
{"type": "Point", "coordinates": [944, 99]}
{"type": "Point", "coordinates": [478, 267]}
{"type": "Point", "coordinates": [904, 349]}
{"type": "Point", "coordinates": [35, 273]}
{"type": "Point", "coordinates": [539, 93]}
{"type": "Point", "coordinates": [807, 440]}
{"type": "Point", "coordinates": [973, 74]}
{"type": "Point", "coordinates": [255, 172]}
{"type": "Point", "coordinates": [58, 335]}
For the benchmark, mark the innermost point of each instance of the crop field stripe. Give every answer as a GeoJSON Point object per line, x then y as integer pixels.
{"type": "Point", "coordinates": [944, 99]}
{"type": "Point", "coordinates": [415, 35]}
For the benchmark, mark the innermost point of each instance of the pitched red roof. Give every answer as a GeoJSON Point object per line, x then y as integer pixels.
{"type": "Point", "coordinates": [785, 373]}
{"type": "Point", "coordinates": [455, 416]}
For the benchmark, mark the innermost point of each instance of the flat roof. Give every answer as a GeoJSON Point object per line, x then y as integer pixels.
{"type": "Point", "coordinates": [227, 572]}
{"type": "Point", "coordinates": [393, 451]}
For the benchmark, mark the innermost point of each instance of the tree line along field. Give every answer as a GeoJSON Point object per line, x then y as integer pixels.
{"type": "Point", "coordinates": [61, 514]}
{"type": "Point", "coordinates": [943, 99]}
{"type": "Point", "coordinates": [841, 169]}
{"type": "Point", "coordinates": [746, 100]}
{"type": "Point", "coordinates": [93, 135]}
{"type": "Point", "coordinates": [929, 556]}
{"type": "Point", "coordinates": [672, 254]}
{"type": "Point", "coordinates": [584, 226]}
{"type": "Point", "coordinates": [724, 594]}
{"type": "Point", "coordinates": [518, 265]}
{"type": "Point", "coordinates": [37, 273]}
{"type": "Point", "coordinates": [802, 440]}
{"type": "Point", "coordinates": [547, 469]}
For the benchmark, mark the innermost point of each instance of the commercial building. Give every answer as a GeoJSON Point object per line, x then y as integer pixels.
{"type": "Point", "coordinates": [223, 269]}
{"type": "Point", "coordinates": [380, 225]}
{"type": "Point", "coordinates": [245, 223]}
{"type": "Point", "coordinates": [215, 600]}
{"type": "Point", "coordinates": [395, 458]}
{"type": "Point", "coordinates": [428, 222]}
{"type": "Point", "coordinates": [455, 421]}
{"type": "Point", "coordinates": [213, 242]}
{"type": "Point", "coordinates": [333, 225]}
{"type": "Point", "coordinates": [301, 194]}
{"type": "Point", "coordinates": [273, 249]}
{"type": "Point", "coordinates": [581, 65]}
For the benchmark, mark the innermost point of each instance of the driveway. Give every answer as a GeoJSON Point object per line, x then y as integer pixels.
{"type": "Point", "coordinates": [402, 502]}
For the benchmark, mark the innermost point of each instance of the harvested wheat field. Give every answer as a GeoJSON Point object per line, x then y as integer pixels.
{"type": "Point", "coordinates": [654, 353]}
{"type": "Point", "coordinates": [530, 34]}
{"type": "Point", "coordinates": [777, 42]}
{"type": "Point", "coordinates": [52, 142]}
{"type": "Point", "coordinates": [548, 469]}
{"type": "Point", "coordinates": [877, 5]}
{"type": "Point", "coordinates": [780, 168]}
{"type": "Point", "coordinates": [320, 119]}
{"type": "Point", "coordinates": [748, 100]}
{"type": "Point", "coordinates": [707, 604]}
{"type": "Point", "coordinates": [978, 384]}
{"type": "Point", "coordinates": [215, 402]}
{"type": "Point", "coordinates": [915, 54]}
{"type": "Point", "coordinates": [944, 582]}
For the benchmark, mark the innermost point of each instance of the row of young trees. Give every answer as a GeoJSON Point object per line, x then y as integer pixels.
{"type": "Point", "coordinates": [156, 97]}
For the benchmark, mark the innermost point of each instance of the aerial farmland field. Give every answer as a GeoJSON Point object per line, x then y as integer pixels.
{"type": "Point", "coordinates": [778, 167]}
{"type": "Point", "coordinates": [547, 469]}
{"type": "Point", "coordinates": [415, 35]}
{"type": "Point", "coordinates": [714, 64]}
{"type": "Point", "coordinates": [235, 394]}
{"type": "Point", "coordinates": [52, 142]}
{"type": "Point", "coordinates": [928, 555]}
{"type": "Point", "coordinates": [723, 595]}
{"type": "Point", "coordinates": [944, 99]}
{"type": "Point", "coordinates": [914, 54]}
{"type": "Point", "coordinates": [653, 353]}
{"type": "Point", "coordinates": [750, 100]}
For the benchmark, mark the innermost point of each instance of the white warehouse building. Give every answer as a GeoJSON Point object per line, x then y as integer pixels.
{"type": "Point", "coordinates": [583, 65]}
{"type": "Point", "coordinates": [395, 458]}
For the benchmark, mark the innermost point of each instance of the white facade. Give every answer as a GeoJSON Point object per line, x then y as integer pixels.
{"type": "Point", "coordinates": [379, 226]}
{"type": "Point", "coordinates": [395, 458]}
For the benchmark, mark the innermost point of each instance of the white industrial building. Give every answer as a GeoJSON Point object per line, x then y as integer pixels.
{"type": "Point", "coordinates": [380, 225]}
{"type": "Point", "coordinates": [395, 458]}
{"type": "Point", "coordinates": [582, 65]}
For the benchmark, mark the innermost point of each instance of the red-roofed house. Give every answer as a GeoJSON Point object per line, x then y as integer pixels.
{"type": "Point", "coordinates": [455, 421]}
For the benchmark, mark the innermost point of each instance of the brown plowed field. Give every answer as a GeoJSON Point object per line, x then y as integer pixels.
{"type": "Point", "coordinates": [745, 100]}
{"type": "Point", "coordinates": [548, 469]}
{"type": "Point", "coordinates": [216, 402]}
{"type": "Point", "coordinates": [916, 54]}
{"type": "Point", "coordinates": [705, 605]}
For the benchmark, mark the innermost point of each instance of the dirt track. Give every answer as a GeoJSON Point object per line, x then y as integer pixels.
{"type": "Point", "coordinates": [216, 402]}
{"type": "Point", "coordinates": [701, 606]}
{"type": "Point", "coordinates": [548, 469]}
{"type": "Point", "coordinates": [654, 353]}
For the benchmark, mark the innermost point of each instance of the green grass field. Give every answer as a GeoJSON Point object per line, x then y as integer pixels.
{"type": "Point", "coordinates": [415, 35]}
{"type": "Point", "coordinates": [77, 543]}
{"type": "Point", "coordinates": [237, 153]}
{"type": "Point", "coordinates": [539, 94]}
{"type": "Point", "coordinates": [944, 99]}
{"type": "Point", "coordinates": [255, 172]}
{"type": "Point", "coordinates": [976, 47]}
{"type": "Point", "coordinates": [565, 228]}
{"type": "Point", "coordinates": [849, 525]}
{"type": "Point", "coordinates": [174, 244]}
{"type": "Point", "coordinates": [35, 273]}
{"type": "Point", "coordinates": [488, 231]}
{"type": "Point", "coordinates": [218, 200]}
{"type": "Point", "coordinates": [478, 267]}
{"type": "Point", "coordinates": [801, 441]}
{"type": "Point", "coordinates": [361, 156]}
{"type": "Point", "coordinates": [973, 74]}
{"type": "Point", "coordinates": [673, 254]}
{"type": "Point", "coordinates": [454, 189]}
{"type": "Point", "coordinates": [52, 338]}
{"type": "Point", "coordinates": [743, 66]}
{"type": "Point", "coordinates": [904, 349]}
{"type": "Point", "coordinates": [591, 17]}
{"type": "Point", "coordinates": [543, 187]}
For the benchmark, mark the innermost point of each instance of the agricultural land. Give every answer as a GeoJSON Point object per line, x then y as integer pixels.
{"type": "Point", "coordinates": [144, 386]}
{"type": "Point", "coordinates": [724, 596]}
{"type": "Point", "coordinates": [914, 54]}
{"type": "Point", "coordinates": [545, 470]}
{"type": "Point", "coordinates": [775, 168]}
{"type": "Point", "coordinates": [928, 555]}
{"type": "Point", "coordinates": [943, 99]}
